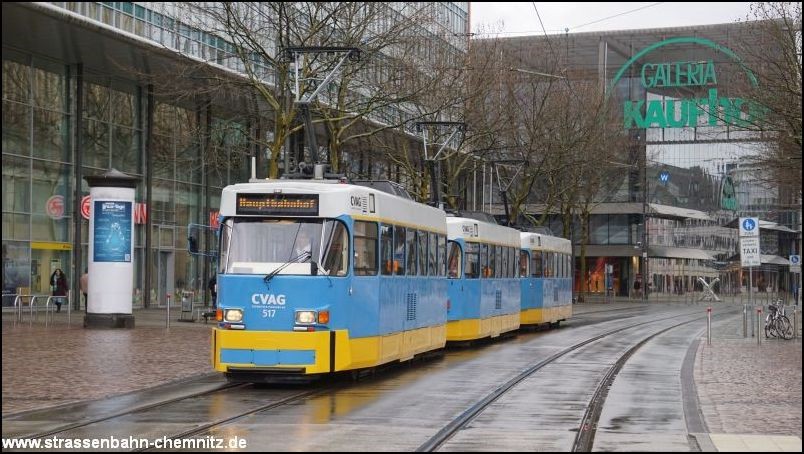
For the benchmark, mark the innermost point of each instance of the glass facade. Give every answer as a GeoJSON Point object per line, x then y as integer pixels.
{"type": "Point", "coordinates": [39, 174]}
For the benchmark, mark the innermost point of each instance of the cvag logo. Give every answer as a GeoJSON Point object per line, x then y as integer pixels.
{"type": "Point", "coordinates": [267, 299]}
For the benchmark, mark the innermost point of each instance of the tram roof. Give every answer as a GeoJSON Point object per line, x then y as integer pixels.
{"type": "Point", "coordinates": [473, 230]}
{"type": "Point", "coordinates": [540, 241]}
{"type": "Point", "coordinates": [338, 199]}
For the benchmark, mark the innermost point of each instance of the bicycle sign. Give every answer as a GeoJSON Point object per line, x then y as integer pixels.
{"type": "Point", "coordinates": [749, 227]}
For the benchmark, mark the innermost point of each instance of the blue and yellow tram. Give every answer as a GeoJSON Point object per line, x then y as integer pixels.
{"type": "Point", "coordinates": [484, 290]}
{"type": "Point", "coordinates": [545, 268]}
{"type": "Point", "coordinates": [318, 276]}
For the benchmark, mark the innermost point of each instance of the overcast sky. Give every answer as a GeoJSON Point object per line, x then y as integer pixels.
{"type": "Point", "coordinates": [517, 19]}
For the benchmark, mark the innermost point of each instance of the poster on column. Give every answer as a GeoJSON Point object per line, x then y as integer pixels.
{"type": "Point", "coordinates": [112, 241]}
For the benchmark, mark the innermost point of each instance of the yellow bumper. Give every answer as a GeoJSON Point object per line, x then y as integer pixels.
{"type": "Point", "coordinates": [312, 351]}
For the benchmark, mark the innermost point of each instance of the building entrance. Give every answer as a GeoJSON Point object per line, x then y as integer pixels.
{"type": "Point", "coordinates": [164, 260]}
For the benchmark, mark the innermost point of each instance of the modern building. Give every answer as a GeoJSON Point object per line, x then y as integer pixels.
{"type": "Point", "coordinates": [668, 217]}
{"type": "Point", "coordinates": [77, 101]}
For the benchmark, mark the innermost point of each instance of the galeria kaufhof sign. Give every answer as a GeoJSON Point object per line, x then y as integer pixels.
{"type": "Point", "coordinates": [713, 109]}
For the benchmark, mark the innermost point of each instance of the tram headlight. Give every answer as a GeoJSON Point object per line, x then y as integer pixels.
{"type": "Point", "coordinates": [305, 317]}
{"type": "Point", "coordinates": [233, 315]}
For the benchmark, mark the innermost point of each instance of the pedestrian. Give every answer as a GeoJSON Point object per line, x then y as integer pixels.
{"type": "Point", "coordinates": [213, 290]}
{"type": "Point", "coordinates": [83, 283]}
{"type": "Point", "coordinates": [58, 287]}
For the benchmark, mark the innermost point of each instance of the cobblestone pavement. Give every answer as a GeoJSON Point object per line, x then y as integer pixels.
{"type": "Point", "coordinates": [745, 388]}
{"type": "Point", "coordinates": [43, 367]}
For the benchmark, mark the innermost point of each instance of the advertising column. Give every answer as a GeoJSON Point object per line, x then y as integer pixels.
{"type": "Point", "coordinates": [111, 250]}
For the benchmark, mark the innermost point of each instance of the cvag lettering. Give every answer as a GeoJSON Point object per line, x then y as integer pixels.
{"type": "Point", "coordinates": [267, 299]}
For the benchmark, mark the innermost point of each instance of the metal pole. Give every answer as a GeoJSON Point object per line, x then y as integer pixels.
{"type": "Point", "coordinates": [483, 189]}
{"type": "Point", "coordinates": [795, 322]}
{"type": "Point", "coordinates": [745, 320]}
{"type": "Point", "coordinates": [751, 293]}
{"type": "Point", "coordinates": [759, 327]}
{"type": "Point", "coordinates": [708, 326]}
{"type": "Point", "coordinates": [474, 189]}
{"type": "Point", "coordinates": [167, 318]}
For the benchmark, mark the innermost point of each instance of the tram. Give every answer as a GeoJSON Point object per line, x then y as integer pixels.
{"type": "Point", "coordinates": [545, 270]}
{"type": "Point", "coordinates": [484, 289]}
{"type": "Point", "coordinates": [320, 276]}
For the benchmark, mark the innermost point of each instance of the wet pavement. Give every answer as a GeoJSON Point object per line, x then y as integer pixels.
{"type": "Point", "coordinates": [58, 364]}
{"type": "Point", "coordinates": [749, 395]}
{"type": "Point", "coordinates": [749, 389]}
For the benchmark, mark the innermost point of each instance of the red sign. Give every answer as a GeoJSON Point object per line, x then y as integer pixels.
{"type": "Point", "coordinates": [54, 207]}
{"type": "Point", "coordinates": [85, 207]}
{"type": "Point", "coordinates": [140, 211]}
{"type": "Point", "coordinates": [213, 219]}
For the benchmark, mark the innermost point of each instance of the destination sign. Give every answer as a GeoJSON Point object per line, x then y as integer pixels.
{"type": "Point", "coordinates": [277, 204]}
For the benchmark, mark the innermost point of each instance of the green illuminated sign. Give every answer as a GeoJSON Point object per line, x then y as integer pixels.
{"type": "Point", "coordinates": [728, 195]}
{"type": "Point", "coordinates": [680, 113]}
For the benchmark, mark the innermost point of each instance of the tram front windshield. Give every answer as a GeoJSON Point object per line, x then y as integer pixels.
{"type": "Point", "coordinates": [297, 246]}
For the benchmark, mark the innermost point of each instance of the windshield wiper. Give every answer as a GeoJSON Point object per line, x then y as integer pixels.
{"type": "Point", "coordinates": [303, 256]}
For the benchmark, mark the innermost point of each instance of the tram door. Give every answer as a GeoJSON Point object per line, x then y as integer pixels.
{"type": "Point", "coordinates": [165, 267]}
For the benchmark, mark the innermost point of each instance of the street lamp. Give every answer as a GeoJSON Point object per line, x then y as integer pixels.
{"type": "Point", "coordinates": [644, 246]}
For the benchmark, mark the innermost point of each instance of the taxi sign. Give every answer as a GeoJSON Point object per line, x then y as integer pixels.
{"type": "Point", "coordinates": [749, 252]}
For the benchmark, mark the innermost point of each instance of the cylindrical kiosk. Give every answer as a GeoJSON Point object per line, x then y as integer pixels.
{"type": "Point", "coordinates": [111, 253]}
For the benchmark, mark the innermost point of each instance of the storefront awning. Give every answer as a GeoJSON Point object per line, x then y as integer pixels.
{"type": "Point", "coordinates": [763, 225]}
{"type": "Point", "coordinates": [678, 253]}
{"type": "Point", "coordinates": [657, 210]}
{"type": "Point", "coordinates": [774, 260]}
{"type": "Point", "coordinates": [653, 252]}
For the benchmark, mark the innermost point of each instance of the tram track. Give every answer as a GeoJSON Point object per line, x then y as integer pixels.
{"type": "Point", "coordinates": [200, 426]}
{"type": "Point", "coordinates": [130, 411]}
{"type": "Point", "coordinates": [585, 438]}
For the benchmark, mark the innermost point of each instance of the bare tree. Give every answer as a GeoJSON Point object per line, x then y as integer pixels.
{"type": "Point", "coordinates": [772, 48]}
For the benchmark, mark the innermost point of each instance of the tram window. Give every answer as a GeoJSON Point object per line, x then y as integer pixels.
{"type": "Point", "coordinates": [472, 267]}
{"type": "Point", "coordinates": [411, 245]}
{"type": "Point", "coordinates": [399, 250]}
{"type": "Point", "coordinates": [548, 265]}
{"type": "Point", "coordinates": [432, 254]}
{"type": "Point", "coordinates": [501, 261]}
{"type": "Point", "coordinates": [523, 264]}
{"type": "Point", "coordinates": [536, 264]}
{"type": "Point", "coordinates": [335, 256]}
{"type": "Point", "coordinates": [484, 260]}
{"type": "Point", "coordinates": [512, 268]}
{"type": "Point", "coordinates": [387, 250]}
{"type": "Point", "coordinates": [224, 245]}
{"type": "Point", "coordinates": [421, 240]}
{"type": "Point", "coordinates": [498, 264]}
{"type": "Point", "coordinates": [454, 261]}
{"type": "Point", "coordinates": [559, 266]}
{"type": "Point", "coordinates": [365, 248]}
{"type": "Point", "coordinates": [442, 255]}
{"type": "Point", "coordinates": [492, 262]}
{"type": "Point", "coordinates": [514, 262]}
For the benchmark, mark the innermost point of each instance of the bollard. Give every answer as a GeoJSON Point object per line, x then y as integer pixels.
{"type": "Point", "coordinates": [759, 325]}
{"type": "Point", "coordinates": [709, 325]}
{"type": "Point", "coordinates": [795, 322]}
{"type": "Point", "coordinates": [745, 321]}
{"type": "Point", "coordinates": [167, 319]}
